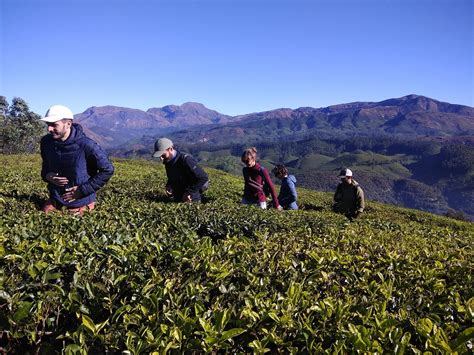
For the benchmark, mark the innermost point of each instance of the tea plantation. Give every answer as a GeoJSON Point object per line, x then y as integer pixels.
{"type": "Point", "coordinates": [148, 276]}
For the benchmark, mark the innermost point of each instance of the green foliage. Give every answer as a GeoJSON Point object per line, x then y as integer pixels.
{"type": "Point", "coordinates": [221, 160]}
{"type": "Point", "coordinates": [311, 162]}
{"type": "Point", "coordinates": [368, 162]}
{"type": "Point", "coordinates": [459, 215]}
{"type": "Point", "coordinates": [21, 127]}
{"type": "Point", "coordinates": [457, 158]}
{"type": "Point", "coordinates": [145, 275]}
{"type": "Point", "coordinates": [417, 194]}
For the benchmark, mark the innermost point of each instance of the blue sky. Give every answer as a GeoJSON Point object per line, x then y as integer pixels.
{"type": "Point", "coordinates": [234, 56]}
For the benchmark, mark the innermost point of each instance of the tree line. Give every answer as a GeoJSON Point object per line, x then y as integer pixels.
{"type": "Point", "coordinates": [21, 128]}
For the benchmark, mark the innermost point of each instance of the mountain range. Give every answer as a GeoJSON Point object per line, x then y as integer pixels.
{"type": "Point", "coordinates": [407, 116]}
{"type": "Point", "coordinates": [112, 125]}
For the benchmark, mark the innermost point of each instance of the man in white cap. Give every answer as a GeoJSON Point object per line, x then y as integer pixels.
{"type": "Point", "coordinates": [349, 197]}
{"type": "Point", "coordinates": [186, 179]}
{"type": "Point", "coordinates": [74, 166]}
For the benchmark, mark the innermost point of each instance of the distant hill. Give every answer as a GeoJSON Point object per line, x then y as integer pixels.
{"type": "Point", "coordinates": [112, 125]}
{"type": "Point", "coordinates": [189, 114]}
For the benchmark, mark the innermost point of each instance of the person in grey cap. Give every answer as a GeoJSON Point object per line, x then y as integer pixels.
{"type": "Point", "coordinates": [74, 166]}
{"type": "Point", "coordinates": [186, 179]}
{"type": "Point", "coordinates": [349, 196]}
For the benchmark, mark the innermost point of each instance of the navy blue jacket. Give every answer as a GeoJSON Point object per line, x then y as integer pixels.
{"type": "Point", "coordinates": [185, 177]}
{"type": "Point", "coordinates": [78, 158]}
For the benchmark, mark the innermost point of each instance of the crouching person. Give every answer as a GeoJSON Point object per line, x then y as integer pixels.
{"type": "Point", "coordinates": [349, 197]}
{"type": "Point", "coordinates": [74, 166]}
{"type": "Point", "coordinates": [288, 195]}
{"type": "Point", "coordinates": [186, 179]}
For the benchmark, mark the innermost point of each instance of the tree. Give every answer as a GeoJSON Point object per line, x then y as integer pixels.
{"type": "Point", "coordinates": [22, 128]}
{"type": "Point", "coordinates": [3, 112]}
{"type": "Point", "coordinates": [3, 106]}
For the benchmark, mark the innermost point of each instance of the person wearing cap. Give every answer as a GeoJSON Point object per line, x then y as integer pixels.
{"type": "Point", "coordinates": [349, 196]}
{"type": "Point", "coordinates": [74, 166]}
{"type": "Point", "coordinates": [186, 179]}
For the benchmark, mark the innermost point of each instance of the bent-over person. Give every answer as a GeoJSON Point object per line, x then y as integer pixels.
{"type": "Point", "coordinates": [186, 179]}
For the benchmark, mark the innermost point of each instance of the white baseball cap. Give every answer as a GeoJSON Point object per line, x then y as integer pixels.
{"type": "Point", "coordinates": [345, 172]}
{"type": "Point", "coordinates": [56, 113]}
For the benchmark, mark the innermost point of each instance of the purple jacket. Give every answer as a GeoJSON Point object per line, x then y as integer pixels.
{"type": "Point", "coordinates": [260, 176]}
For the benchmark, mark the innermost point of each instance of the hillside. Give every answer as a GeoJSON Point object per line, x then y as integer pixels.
{"type": "Point", "coordinates": [409, 116]}
{"type": "Point", "coordinates": [142, 274]}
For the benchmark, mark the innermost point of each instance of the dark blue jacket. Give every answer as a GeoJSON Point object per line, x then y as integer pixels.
{"type": "Point", "coordinates": [288, 195]}
{"type": "Point", "coordinates": [185, 176]}
{"type": "Point", "coordinates": [78, 158]}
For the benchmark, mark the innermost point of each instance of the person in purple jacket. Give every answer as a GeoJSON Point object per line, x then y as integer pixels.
{"type": "Point", "coordinates": [74, 166]}
{"type": "Point", "coordinates": [287, 196]}
{"type": "Point", "coordinates": [256, 181]}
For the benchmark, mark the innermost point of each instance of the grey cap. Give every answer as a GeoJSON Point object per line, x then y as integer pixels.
{"type": "Point", "coordinates": [161, 145]}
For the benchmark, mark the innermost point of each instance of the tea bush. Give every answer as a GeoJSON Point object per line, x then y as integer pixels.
{"type": "Point", "coordinates": [148, 276]}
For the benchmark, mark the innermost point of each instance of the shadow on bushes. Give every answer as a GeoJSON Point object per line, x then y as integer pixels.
{"type": "Point", "coordinates": [35, 198]}
{"type": "Point", "coordinates": [149, 196]}
{"type": "Point", "coordinates": [312, 207]}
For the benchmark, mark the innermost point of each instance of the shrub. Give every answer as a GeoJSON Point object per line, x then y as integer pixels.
{"type": "Point", "coordinates": [144, 275]}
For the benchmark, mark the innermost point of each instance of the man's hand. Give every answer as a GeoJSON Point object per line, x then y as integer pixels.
{"type": "Point", "coordinates": [54, 179]}
{"type": "Point", "coordinates": [168, 191]}
{"type": "Point", "coordinates": [72, 194]}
